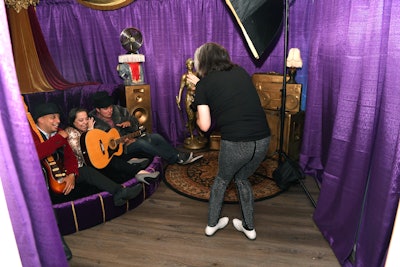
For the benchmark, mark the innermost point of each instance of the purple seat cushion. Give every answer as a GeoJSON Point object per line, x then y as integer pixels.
{"type": "Point", "coordinates": [99, 207]}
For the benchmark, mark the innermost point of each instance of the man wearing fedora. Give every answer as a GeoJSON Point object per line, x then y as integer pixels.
{"type": "Point", "coordinates": [108, 115]}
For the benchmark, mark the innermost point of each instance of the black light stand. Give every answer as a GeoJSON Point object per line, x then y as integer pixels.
{"type": "Point", "coordinates": [281, 153]}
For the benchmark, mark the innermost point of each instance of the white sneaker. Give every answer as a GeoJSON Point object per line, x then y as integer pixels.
{"type": "Point", "coordinates": [210, 230]}
{"type": "Point", "coordinates": [250, 234]}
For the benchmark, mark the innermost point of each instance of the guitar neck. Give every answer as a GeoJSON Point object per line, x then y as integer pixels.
{"type": "Point", "coordinates": [131, 135]}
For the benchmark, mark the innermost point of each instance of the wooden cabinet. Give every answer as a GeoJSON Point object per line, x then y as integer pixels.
{"type": "Point", "coordinates": [269, 88]}
{"type": "Point", "coordinates": [292, 133]}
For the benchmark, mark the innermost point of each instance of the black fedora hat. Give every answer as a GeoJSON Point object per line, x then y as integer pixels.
{"type": "Point", "coordinates": [44, 109]}
{"type": "Point", "coordinates": [101, 99]}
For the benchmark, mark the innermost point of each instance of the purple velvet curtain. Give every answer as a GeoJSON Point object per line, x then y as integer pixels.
{"type": "Point", "coordinates": [351, 135]}
{"type": "Point", "coordinates": [28, 201]}
{"type": "Point", "coordinates": [351, 57]}
{"type": "Point", "coordinates": [50, 70]}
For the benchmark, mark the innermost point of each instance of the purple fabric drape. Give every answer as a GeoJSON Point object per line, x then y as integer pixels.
{"type": "Point", "coordinates": [85, 45]}
{"type": "Point", "coordinates": [350, 53]}
{"type": "Point", "coordinates": [53, 76]}
{"type": "Point", "coordinates": [25, 191]}
{"type": "Point", "coordinates": [351, 134]}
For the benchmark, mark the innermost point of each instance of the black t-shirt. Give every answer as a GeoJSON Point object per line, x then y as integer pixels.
{"type": "Point", "coordinates": [234, 103]}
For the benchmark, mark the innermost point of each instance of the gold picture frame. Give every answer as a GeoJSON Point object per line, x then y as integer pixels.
{"type": "Point", "coordinates": [105, 4]}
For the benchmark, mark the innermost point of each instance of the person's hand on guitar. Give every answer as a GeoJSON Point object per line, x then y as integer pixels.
{"type": "Point", "coordinates": [91, 123]}
{"type": "Point", "coordinates": [69, 183]}
{"type": "Point", "coordinates": [124, 124]}
{"type": "Point", "coordinates": [111, 144]}
{"type": "Point", "coordinates": [63, 133]}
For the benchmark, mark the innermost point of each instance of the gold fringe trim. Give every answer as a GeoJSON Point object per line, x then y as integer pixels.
{"type": "Point", "coordinates": [103, 211]}
{"type": "Point", "coordinates": [75, 217]}
{"type": "Point", "coordinates": [20, 4]}
{"type": "Point", "coordinates": [105, 4]}
{"type": "Point", "coordinates": [127, 203]}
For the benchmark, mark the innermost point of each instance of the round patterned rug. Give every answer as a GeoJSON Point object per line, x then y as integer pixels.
{"type": "Point", "coordinates": [195, 180]}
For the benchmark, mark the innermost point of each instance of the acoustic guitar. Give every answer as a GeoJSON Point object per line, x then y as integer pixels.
{"type": "Point", "coordinates": [98, 147]}
{"type": "Point", "coordinates": [55, 175]}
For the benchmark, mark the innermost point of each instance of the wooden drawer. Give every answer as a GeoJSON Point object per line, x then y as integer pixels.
{"type": "Point", "coordinates": [269, 88]}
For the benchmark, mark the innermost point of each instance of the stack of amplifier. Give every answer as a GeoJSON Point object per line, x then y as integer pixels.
{"type": "Point", "coordinates": [269, 87]}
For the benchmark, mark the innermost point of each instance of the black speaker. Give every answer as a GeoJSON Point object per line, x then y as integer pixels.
{"type": "Point", "coordinates": [138, 103]}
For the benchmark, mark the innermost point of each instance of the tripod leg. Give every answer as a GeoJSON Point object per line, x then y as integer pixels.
{"type": "Point", "coordinates": [307, 192]}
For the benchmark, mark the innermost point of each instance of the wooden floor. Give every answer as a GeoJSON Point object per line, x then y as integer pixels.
{"type": "Point", "coordinates": [168, 230]}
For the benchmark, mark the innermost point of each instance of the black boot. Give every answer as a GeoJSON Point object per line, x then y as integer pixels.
{"type": "Point", "coordinates": [67, 250]}
{"type": "Point", "coordinates": [127, 193]}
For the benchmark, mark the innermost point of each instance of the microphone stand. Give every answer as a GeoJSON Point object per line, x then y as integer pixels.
{"type": "Point", "coordinates": [281, 153]}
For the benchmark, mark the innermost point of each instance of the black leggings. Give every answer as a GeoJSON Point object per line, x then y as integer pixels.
{"type": "Point", "coordinates": [238, 161]}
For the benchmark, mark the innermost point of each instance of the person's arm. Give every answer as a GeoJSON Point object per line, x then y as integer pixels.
{"type": "Point", "coordinates": [203, 117]}
{"type": "Point", "coordinates": [70, 161]}
{"type": "Point", "coordinates": [92, 122]}
{"type": "Point", "coordinates": [126, 119]}
{"type": "Point", "coordinates": [192, 78]}
{"type": "Point", "coordinates": [182, 86]}
{"type": "Point", "coordinates": [70, 166]}
{"type": "Point", "coordinates": [74, 141]}
{"type": "Point", "coordinates": [48, 147]}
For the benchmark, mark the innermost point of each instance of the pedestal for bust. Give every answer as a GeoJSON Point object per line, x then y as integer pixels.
{"type": "Point", "coordinates": [195, 142]}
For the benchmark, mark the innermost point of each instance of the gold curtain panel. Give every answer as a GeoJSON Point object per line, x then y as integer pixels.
{"type": "Point", "coordinates": [29, 71]}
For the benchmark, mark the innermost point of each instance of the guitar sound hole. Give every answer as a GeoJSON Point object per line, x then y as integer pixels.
{"type": "Point", "coordinates": [112, 144]}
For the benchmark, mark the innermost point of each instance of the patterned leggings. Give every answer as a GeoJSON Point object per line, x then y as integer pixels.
{"type": "Point", "coordinates": [238, 161]}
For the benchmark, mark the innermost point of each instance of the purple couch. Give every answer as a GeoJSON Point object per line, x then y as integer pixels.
{"type": "Point", "coordinates": [92, 207]}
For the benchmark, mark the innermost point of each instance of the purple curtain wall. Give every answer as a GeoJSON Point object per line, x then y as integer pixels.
{"type": "Point", "coordinates": [28, 202]}
{"type": "Point", "coordinates": [351, 58]}
{"type": "Point", "coordinates": [352, 127]}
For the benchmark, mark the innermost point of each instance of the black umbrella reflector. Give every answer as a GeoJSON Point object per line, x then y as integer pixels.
{"type": "Point", "coordinates": [259, 20]}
